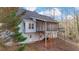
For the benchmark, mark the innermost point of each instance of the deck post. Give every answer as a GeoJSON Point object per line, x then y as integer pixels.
{"type": "Point", "coordinates": [45, 40]}
{"type": "Point", "coordinates": [45, 35]}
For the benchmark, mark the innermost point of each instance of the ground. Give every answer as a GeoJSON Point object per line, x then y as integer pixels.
{"type": "Point", "coordinates": [52, 45]}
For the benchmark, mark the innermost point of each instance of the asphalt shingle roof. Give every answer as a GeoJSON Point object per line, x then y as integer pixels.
{"type": "Point", "coordinates": [33, 14]}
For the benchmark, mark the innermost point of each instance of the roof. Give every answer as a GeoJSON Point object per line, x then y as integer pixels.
{"type": "Point", "coordinates": [20, 11]}
{"type": "Point", "coordinates": [33, 14]}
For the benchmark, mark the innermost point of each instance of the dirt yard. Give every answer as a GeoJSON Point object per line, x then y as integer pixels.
{"type": "Point", "coordinates": [52, 45]}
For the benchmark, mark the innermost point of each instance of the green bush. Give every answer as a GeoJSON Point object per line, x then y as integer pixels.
{"type": "Point", "coordinates": [22, 47]}
{"type": "Point", "coordinates": [18, 36]}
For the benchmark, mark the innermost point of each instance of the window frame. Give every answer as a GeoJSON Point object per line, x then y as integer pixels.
{"type": "Point", "coordinates": [31, 25]}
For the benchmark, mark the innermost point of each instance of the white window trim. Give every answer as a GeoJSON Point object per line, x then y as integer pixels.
{"type": "Point", "coordinates": [31, 26]}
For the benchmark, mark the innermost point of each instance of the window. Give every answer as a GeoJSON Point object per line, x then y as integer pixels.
{"type": "Point", "coordinates": [24, 26]}
{"type": "Point", "coordinates": [31, 26]}
{"type": "Point", "coordinates": [30, 36]}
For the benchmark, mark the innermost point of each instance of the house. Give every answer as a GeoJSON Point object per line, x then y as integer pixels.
{"type": "Point", "coordinates": [37, 27]}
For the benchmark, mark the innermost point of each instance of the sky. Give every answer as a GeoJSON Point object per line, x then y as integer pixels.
{"type": "Point", "coordinates": [56, 12]}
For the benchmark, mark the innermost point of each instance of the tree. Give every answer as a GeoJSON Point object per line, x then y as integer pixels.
{"type": "Point", "coordinates": [11, 22]}
{"type": "Point", "coordinates": [17, 35]}
{"type": "Point", "coordinates": [7, 18]}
